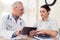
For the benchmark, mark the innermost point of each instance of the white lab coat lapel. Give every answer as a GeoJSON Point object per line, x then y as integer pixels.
{"type": "Point", "coordinates": [18, 23]}
{"type": "Point", "coordinates": [12, 22]}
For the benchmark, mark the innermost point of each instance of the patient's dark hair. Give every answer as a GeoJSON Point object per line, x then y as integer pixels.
{"type": "Point", "coordinates": [46, 7]}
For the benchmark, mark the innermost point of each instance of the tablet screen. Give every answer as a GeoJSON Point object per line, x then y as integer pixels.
{"type": "Point", "coordinates": [26, 30]}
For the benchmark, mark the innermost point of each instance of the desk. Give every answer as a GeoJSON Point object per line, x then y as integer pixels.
{"type": "Point", "coordinates": [2, 38]}
{"type": "Point", "coordinates": [25, 37]}
{"type": "Point", "coordinates": [21, 37]}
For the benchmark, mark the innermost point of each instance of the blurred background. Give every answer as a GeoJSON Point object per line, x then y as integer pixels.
{"type": "Point", "coordinates": [32, 9]}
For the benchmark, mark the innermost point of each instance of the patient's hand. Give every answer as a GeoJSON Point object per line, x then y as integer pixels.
{"type": "Point", "coordinates": [40, 32]}
{"type": "Point", "coordinates": [32, 33]}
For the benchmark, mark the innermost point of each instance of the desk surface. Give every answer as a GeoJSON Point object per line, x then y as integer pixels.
{"type": "Point", "coordinates": [25, 37]}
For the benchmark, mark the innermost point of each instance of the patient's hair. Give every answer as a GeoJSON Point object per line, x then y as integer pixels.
{"type": "Point", "coordinates": [46, 7]}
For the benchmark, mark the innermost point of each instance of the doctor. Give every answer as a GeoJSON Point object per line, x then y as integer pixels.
{"type": "Point", "coordinates": [12, 22]}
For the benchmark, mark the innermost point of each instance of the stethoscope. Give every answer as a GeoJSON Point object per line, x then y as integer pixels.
{"type": "Point", "coordinates": [50, 2]}
{"type": "Point", "coordinates": [10, 20]}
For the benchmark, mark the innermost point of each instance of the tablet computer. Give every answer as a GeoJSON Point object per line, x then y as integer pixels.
{"type": "Point", "coordinates": [26, 30]}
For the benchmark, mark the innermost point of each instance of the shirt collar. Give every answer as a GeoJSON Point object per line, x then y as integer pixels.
{"type": "Point", "coordinates": [11, 17]}
{"type": "Point", "coordinates": [46, 20]}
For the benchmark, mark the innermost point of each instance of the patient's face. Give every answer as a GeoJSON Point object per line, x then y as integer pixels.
{"type": "Point", "coordinates": [43, 13]}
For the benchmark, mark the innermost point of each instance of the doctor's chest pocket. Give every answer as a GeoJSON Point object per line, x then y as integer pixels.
{"type": "Point", "coordinates": [9, 25]}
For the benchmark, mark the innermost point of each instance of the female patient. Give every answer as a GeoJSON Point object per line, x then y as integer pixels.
{"type": "Point", "coordinates": [46, 25]}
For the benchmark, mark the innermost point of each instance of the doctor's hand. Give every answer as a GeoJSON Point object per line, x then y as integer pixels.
{"type": "Point", "coordinates": [19, 31]}
{"type": "Point", "coordinates": [32, 33]}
